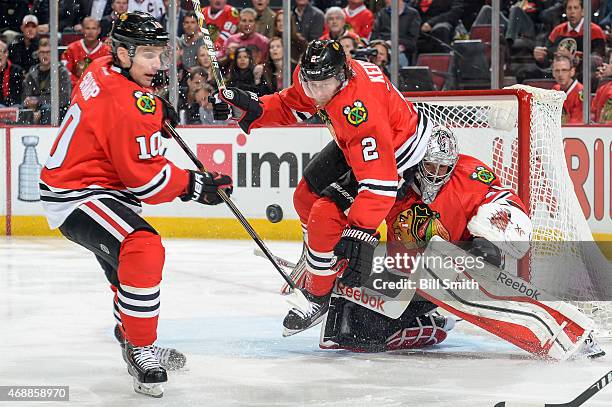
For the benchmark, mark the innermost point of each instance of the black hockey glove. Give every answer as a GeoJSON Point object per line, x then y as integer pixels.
{"type": "Point", "coordinates": [355, 254]}
{"type": "Point", "coordinates": [237, 104]}
{"type": "Point", "coordinates": [203, 187]}
{"type": "Point", "coordinates": [343, 191]}
{"type": "Point", "coordinates": [169, 113]}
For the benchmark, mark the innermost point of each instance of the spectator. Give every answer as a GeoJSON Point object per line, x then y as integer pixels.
{"type": "Point", "coordinates": [205, 110]}
{"type": "Point", "coordinates": [203, 60]}
{"type": "Point", "coordinates": [243, 73]}
{"type": "Point", "coordinates": [409, 23]}
{"type": "Point", "coordinates": [323, 5]}
{"type": "Point", "coordinates": [298, 42]}
{"type": "Point", "coordinates": [154, 7]}
{"type": "Point", "coordinates": [570, 29]}
{"type": "Point", "coordinates": [382, 58]}
{"type": "Point", "coordinates": [40, 8]}
{"type": "Point", "coordinates": [79, 54]}
{"type": "Point", "coordinates": [191, 40]}
{"type": "Point", "coordinates": [72, 12]}
{"type": "Point", "coordinates": [564, 72]}
{"type": "Point", "coordinates": [222, 20]}
{"type": "Point", "coordinates": [37, 86]}
{"type": "Point", "coordinates": [179, 12]}
{"type": "Point", "coordinates": [248, 37]}
{"type": "Point", "coordinates": [11, 17]}
{"type": "Point", "coordinates": [11, 79]}
{"type": "Point", "coordinates": [348, 44]}
{"type": "Point", "coordinates": [106, 23]}
{"type": "Point", "coordinates": [438, 18]}
{"type": "Point", "coordinates": [265, 17]}
{"type": "Point", "coordinates": [336, 25]}
{"type": "Point", "coordinates": [23, 49]}
{"type": "Point", "coordinates": [272, 77]}
{"type": "Point", "coordinates": [196, 78]}
{"type": "Point", "coordinates": [601, 106]}
{"type": "Point", "coordinates": [359, 19]}
{"type": "Point", "coordinates": [309, 20]}
{"type": "Point", "coordinates": [522, 21]}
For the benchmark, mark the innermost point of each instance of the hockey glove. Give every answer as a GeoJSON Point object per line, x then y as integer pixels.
{"type": "Point", "coordinates": [237, 104]}
{"type": "Point", "coordinates": [343, 191]}
{"type": "Point", "coordinates": [203, 187]}
{"type": "Point", "coordinates": [355, 254]}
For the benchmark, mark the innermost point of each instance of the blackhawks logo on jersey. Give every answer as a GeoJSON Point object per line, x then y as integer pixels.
{"type": "Point", "coordinates": [417, 224]}
{"type": "Point", "coordinates": [145, 102]}
{"type": "Point", "coordinates": [356, 114]}
{"type": "Point", "coordinates": [483, 175]}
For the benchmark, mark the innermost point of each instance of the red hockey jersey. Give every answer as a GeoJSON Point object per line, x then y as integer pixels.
{"type": "Point", "coordinates": [360, 20]}
{"type": "Point", "coordinates": [77, 57]}
{"type": "Point", "coordinates": [222, 24]}
{"type": "Point", "coordinates": [412, 222]}
{"type": "Point", "coordinates": [601, 106]}
{"type": "Point", "coordinates": [109, 145]}
{"type": "Point", "coordinates": [380, 133]}
{"type": "Point", "coordinates": [572, 107]}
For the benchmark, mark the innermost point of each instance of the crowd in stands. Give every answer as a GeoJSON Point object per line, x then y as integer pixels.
{"type": "Point", "coordinates": [541, 44]}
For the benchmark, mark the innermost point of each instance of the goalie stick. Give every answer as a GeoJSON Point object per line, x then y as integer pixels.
{"type": "Point", "coordinates": [578, 401]}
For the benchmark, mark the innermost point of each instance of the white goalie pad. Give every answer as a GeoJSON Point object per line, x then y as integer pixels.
{"type": "Point", "coordinates": [501, 303]}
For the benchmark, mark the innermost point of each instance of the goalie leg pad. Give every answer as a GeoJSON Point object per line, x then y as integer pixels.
{"type": "Point", "coordinates": [359, 329]}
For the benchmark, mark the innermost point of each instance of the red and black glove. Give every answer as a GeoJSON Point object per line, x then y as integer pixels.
{"type": "Point", "coordinates": [355, 255]}
{"type": "Point", "coordinates": [237, 104]}
{"type": "Point", "coordinates": [203, 187]}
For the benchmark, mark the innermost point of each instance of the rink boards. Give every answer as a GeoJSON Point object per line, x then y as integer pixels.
{"type": "Point", "coordinates": [266, 167]}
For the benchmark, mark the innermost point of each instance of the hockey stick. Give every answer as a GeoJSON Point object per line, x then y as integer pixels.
{"type": "Point", "coordinates": [296, 297]}
{"type": "Point", "coordinates": [283, 262]}
{"type": "Point", "coordinates": [210, 45]}
{"type": "Point", "coordinates": [582, 398]}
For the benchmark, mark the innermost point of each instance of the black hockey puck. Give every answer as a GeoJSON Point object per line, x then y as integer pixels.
{"type": "Point", "coordinates": [274, 213]}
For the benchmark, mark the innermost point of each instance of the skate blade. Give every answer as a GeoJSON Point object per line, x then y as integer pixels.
{"type": "Point", "coordinates": [149, 389]}
{"type": "Point", "coordinates": [289, 332]}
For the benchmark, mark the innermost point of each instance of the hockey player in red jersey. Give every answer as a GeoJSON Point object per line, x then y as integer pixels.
{"type": "Point", "coordinates": [222, 20]}
{"type": "Point", "coordinates": [81, 53]}
{"type": "Point", "coordinates": [108, 158]}
{"type": "Point", "coordinates": [377, 134]}
{"type": "Point", "coordinates": [459, 199]}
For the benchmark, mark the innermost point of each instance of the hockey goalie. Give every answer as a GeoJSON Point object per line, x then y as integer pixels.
{"type": "Point", "coordinates": [456, 198]}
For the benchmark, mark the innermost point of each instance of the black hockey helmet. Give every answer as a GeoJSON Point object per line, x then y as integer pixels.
{"type": "Point", "coordinates": [323, 59]}
{"type": "Point", "coordinates": [137, 28]}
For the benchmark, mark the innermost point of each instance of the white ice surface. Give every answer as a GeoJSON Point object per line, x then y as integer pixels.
{"type": "Point", "coordinates": [221, 308]}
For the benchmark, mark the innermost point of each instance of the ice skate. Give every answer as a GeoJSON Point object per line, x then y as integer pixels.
{"type": "Point", "coordinates": [297, 321]}
{"type": "Point", "coordinates": [144, 367]}
{"type": "Point", "coordinates": [169, 358]}
{"type": "Point", "coordinates": [590, 349]}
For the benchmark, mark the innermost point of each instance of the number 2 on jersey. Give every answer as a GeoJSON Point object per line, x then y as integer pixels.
{"type": "Point", "coordinates": [369, 149]}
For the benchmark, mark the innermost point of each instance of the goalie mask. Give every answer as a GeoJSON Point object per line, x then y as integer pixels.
{"type": "Point", "coordinates": [436, 167]}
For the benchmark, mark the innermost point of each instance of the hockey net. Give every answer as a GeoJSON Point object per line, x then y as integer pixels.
{"type": "Point", "coordinates": [517, 132]}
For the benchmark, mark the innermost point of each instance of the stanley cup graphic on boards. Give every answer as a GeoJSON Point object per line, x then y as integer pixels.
{"type": "Point", "coordinates": [29, 171]}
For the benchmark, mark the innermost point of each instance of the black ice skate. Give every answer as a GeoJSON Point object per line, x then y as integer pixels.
{"type": "Point", "coordinates": [297, 320]}
{"type": "Point", "coordinates": [144, 367]}
{"type": "Point", "coordinates": [590, 349]}
{"type": "Point", "coordinates": [169, 358]}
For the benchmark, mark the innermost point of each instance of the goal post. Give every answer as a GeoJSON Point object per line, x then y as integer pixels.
{"type": "Point", "coordinates": [517, 132]}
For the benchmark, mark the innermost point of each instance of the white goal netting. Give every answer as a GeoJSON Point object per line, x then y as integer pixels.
{"type": "Point", "coordinates": [517, 132]}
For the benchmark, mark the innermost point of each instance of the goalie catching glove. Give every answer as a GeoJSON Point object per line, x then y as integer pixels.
{"type": "Point", "coordinates": [355, 254]}
{"type": "Point", "coordinates": [203, 187]}
{"type": "Point", "coordinates": [239, 105]}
